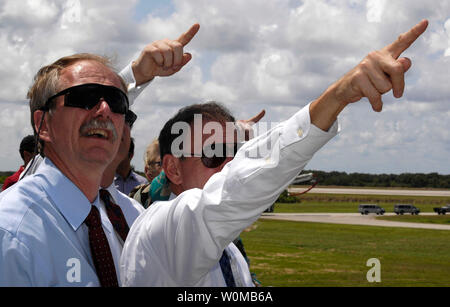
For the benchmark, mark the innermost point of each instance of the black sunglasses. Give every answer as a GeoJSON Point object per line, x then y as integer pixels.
{"type": "Point", "coordinates": [215, 154]}
{"type": "Point", "coordinates": [130, 118]}
{"type": "Point", "coordinates": [87, 96]}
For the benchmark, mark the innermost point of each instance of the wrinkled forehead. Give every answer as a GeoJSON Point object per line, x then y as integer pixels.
{"type": "Point", "coordinates": [89, 71]}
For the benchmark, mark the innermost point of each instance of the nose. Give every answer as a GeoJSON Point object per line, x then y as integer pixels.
{"type": "Point", "coordinates": [103, 108]}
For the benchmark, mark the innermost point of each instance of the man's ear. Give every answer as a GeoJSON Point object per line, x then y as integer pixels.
{"type": "Point", "coordinates": [39, 116]}
{"type": "Point", "coordinates": [171, 167]}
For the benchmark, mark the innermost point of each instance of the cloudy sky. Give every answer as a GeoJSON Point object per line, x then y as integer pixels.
{"type": "Point", "coordinates": [276, 55]}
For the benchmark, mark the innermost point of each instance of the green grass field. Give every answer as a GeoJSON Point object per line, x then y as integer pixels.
{"type": "Point", "coordinates": [342, 203]}
{"type": "Point", "coordinates": [437, 219]}
{"type": "Point", "coordinates": [313, 254]}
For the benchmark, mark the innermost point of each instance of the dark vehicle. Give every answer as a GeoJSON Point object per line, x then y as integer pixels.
{"type": "Point", "coordinates": [442, 210]}
{"type": "Point", "coordinates": [406, 208]}
{"type": "Point", "coordinates": [365, 209]}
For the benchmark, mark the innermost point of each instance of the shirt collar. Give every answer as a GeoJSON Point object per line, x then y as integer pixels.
{"type": "Point", "coordinates": [65, 195]}
{"type": "Point", "coordinates": [112, 191]}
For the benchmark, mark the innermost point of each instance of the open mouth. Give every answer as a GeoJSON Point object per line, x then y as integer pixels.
{"type": "Point", "coordinates": [97, 133]}
{"type": "Point", "coordinates": [99, 129]}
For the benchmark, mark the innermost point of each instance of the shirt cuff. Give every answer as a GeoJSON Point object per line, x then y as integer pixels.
{"type": "Point", "coordinates": [299, 128]}
{"type": "Point", "coordinates": [133, 90]}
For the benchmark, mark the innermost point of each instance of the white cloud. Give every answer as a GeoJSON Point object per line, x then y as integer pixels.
{"type": "Point", "coordinates": [375, 10]}
{"type": "Point", "coordinates": [447, 31]}
{"type": "Point", "coordinates": [277, 55]}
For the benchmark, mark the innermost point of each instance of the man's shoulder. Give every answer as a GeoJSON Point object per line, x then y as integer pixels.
{"type": "Point", "coordinates": [22, 204]}
{"type": "Point", "coordinates": [139, 178]}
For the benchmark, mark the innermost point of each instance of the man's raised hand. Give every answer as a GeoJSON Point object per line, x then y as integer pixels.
{"type": "Point", "coordinates": [163, 57]}
{"type": "Point", "coordinates": [379, 72]}
{"type": "Point", "coordinates": [375, 75]}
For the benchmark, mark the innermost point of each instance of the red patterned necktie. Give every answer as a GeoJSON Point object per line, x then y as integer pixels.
{"type": "Point", "coordinates": [115, 215]}
{"type": "Point", "coordinates": [100, 250]}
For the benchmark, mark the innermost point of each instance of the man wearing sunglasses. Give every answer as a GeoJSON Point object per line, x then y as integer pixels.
{"type": "Point", "coordinates": [188, 167]}
{"type": "Point", "coordinates": [52, 228]}
{"type": "Point", "coordinates": [186, 241]}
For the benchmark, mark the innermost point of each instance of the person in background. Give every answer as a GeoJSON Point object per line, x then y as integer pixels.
{"type": "Point", "coordinates": [126, 178]}
{"type": "Point", "coordinates": [26, 150]}
{"type": "Point", "coordinates": [152, 160]}
{"type": "Point", "coordinates": [157, 181]}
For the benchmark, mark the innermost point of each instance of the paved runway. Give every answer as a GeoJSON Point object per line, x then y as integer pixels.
{"type": "Point", "coordinates": [403, 192]}
{"type": "Point", "coordinates": [351, 219]}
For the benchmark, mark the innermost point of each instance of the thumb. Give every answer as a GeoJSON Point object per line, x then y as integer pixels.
{"type": "Point", "coordinates": [186, 58]}
{"type": "Point", "coordinates": [406, 62]}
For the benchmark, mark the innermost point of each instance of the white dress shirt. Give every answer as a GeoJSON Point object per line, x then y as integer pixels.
{"type": "Point", "coordinates": [179, 242]}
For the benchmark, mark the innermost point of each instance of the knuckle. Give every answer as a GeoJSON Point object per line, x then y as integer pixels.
{"type": "Point", "coordinates": [386, 87]}
{"type": "Point", "coordinates": [359, 76]}
{"type": "Point", "coordinates": [397, 68]}
{"type": "Point", "coordinates": [372, 55]}
{"type": "Point", "coordinates": [150, 48]}
{"type": "Point", "coordinates": [176, 44]}
{"type": "Point", "coordinates": [364, 66]}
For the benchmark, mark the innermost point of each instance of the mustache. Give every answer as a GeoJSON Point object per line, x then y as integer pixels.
{"type": "Point", "coordinates": [99, 124]}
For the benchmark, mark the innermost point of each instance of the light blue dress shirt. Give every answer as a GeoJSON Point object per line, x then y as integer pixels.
{"type": "Point", "coordinates": [126, 185]}
{"type": "Point", "coordinates": [43, 240]}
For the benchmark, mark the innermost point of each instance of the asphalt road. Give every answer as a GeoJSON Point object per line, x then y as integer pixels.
{"type": "Point", "coordinates": [402, 192]}
{"type": "Point", "coordinates": [350, 219]}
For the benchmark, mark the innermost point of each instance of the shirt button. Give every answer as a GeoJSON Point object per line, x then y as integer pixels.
{"type": "Point", "coordinates": [300, 132]}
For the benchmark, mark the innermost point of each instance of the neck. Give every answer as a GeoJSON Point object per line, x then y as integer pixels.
{"type": "Point", "coordinates": [176, 189]}
{"type": "Point", "coordinates": [86, 177]}
{"type": "Point", "coordinates": [123, 170]}
{"type": "Point", "coordinates": [108, 175]}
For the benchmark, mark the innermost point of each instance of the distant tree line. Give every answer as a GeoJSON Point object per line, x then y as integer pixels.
{"type": "Point", "coordinates": [406, 180]}
{"type": "Point", "coordinates": [4, 175]}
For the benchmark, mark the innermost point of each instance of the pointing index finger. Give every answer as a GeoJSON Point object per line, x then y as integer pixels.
{"type": "Point", "coordinates": [257, 117]}
{"type": "Point", "coordinates": [186, 37]}
{"type": "Point", "coordinates": [406, 39]}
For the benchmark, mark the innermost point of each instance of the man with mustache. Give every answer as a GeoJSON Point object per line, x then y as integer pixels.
{"type": "Point", "coordinates": [52, 228]}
